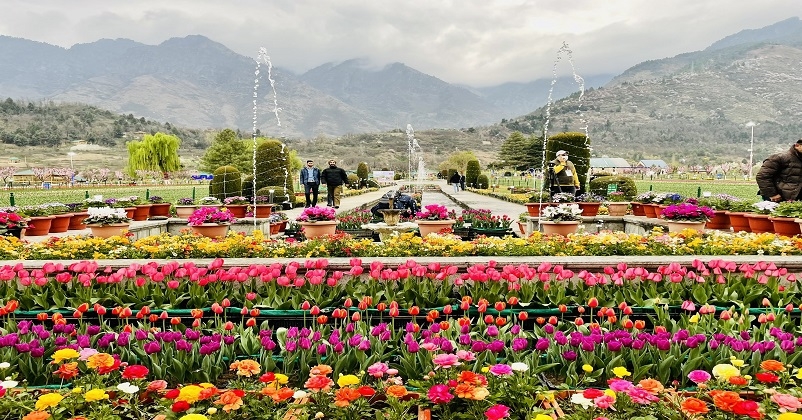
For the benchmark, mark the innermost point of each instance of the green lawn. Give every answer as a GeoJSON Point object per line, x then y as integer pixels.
{"type": "Point", "coordinates": [31, 196]}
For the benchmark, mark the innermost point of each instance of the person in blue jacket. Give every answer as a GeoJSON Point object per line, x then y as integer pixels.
{"type": "Point", "coordinates": [310, 179]}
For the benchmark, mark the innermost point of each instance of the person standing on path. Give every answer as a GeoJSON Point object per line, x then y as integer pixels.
{"type": "Point", "coordinates": [310, 179]}
{"type": "Point", "coordinates": [561, 175]}
{"type": "Point", "coordinates": [454, 180]}
{"type": "Point", "coordinates": [780, 177]}
{"type": "Point", "coordinates": [462, 181]}
{"type": "Point", "coordinates": [334, 178]}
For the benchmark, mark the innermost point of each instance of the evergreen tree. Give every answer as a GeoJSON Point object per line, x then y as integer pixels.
{"type": "Point", "coordinates": [227, 150]}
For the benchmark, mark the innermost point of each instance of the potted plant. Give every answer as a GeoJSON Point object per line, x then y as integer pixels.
{"type": "Point", "coordinates": [589, 203]}
{"type": "Point", "coordinates": [106, 222]}
{"type": "Point", "coordinates": [122, 203]}
{"type": "Point", "coordinates": [434, 219]}
{"type": "Point", "coordinates": [262, 207]}
{"type": "Point", "coordinates": [209, 202]}
{"type": "Point", "coordinates": [351, 222]}
{"type": "Point", "coordinates": [159, 208]}
{"type": "Point", "coordinates": [277, 222]}
{"type": "Point", "coordinates": [141, 208]}
{"type": "Point", "coordinates": [523, 223]}
{"type": "Point", "coordinates": [687, 215]}
{"type": "Point", "coordinates": [617, 203]}
{"type": "Point", "coordinates": [561, 219]}
{"type": "Point", "coordinates": [537, 202]}
{"type": "Point", "coordinates": [485, 223]}
{"type": "Point", "coordinates": [563, 198]}
{"type": "Point", "coordinates": [40, 219]}
{"type": "Point", "coordinates": [11, 223]}
{"type": "Point", "coordinates": [737, 215]}
{"type": "Point", "coordinates": [237, 205]}
{"type": "Point", "coordinates": [211, 222]}
{"type": "Point", "coordinates": [318, 221]}
{"type": "Point", "coordinates": [759, 218]}
{"type": "Point", "coordinates": [184, 207]}
{"type": "Point", "coordinates": [786, 217]}
{"type": "Point", "coordinates": [720, 203]}
{"type": "Point", "coordinates": [641, 202]}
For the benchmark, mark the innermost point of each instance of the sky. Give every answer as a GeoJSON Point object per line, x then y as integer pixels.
{"type": "Point", "coordinates": [472, 42]}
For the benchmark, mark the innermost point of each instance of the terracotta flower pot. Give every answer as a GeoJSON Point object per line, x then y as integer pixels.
{"type": "Point", "coordinates": [638, 210]}
{"type": "Point", "coordinates": [589, 209]}
{"type": "Point", "coordinates": [434, 226]}
{"type": "Point", "coordinates": [738, 221]}
{"type": "Point", "coordinates": [720, 220]}
{"type": "Point", "coordinates": [535, 208]}
{"type": "Point", "coordinates": [238, 210]}
{"type": "Point", "coordinates": [679, 225]}
{"type": "Point", "coordinates": [559, 228]}
{"type": "Point", "coordinates": [262, 210]}
{"type": "Point", "coordinates": [129, 211]}
{"type": "Point", "coordinates": [60, 223]}
{"type": "Point", "coordinates": [160, 210]}
{"type": "Point", "coordinates": [760, 223]}
{"type": "Point", "coordinates": [650, 210]}
{"type": "Point", "coordinates": [786, 226]}
{"type": "Point", "coordinates": [142, 212]}
{"type": "Point", "coordinates": [183, 212]}
{"type": "Point", "coordinates": [107, 231]}
{"type": "Point", "coordinates": [39, 225]}
{"type": "Point", "coordinates": [77, 221]}
{"type": "Point", "coordinates": [618, 208]}
{"type": "Point", "coordinates": [316, 229]}
{"type": "Point", "coordinates": [211, 230]}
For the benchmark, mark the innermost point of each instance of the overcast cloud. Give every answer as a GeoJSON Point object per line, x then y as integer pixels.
{"type": "Point", "coordinates": [479, 43]}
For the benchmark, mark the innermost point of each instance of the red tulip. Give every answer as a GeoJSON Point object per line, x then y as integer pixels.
{"type": "Point", "coordinates": [228, 326]}
{"type": "Point", "coordinates": [42, 316]}
{"type": "Point", "coordinates": [414, 311]}
{"type": "Point", "coordinates": [640, 324]}
{"type": "Point", "coordinates": [512, 300]}
{"type": "Point", "coordinates": [251, 322]}
{"type": "Point", "coordinates": [153, 318]}
{"type": "Point", "coordinates": [489, 319]}
{"type": "Point", "coordinates": [553, 320]}
{"type": "Point", "coordinates": [348, 303]}
{"type": "Point", "coordinates": [315, 311]}
{"type": "Point", "coordinates": [448, 309]}
{"type": "Point", "coordinates": [77, 314]}
{"type": "Point", "coordinates": [579, 321]}
{"type": "Point", "coordinates": [81, 308]}
{"type": "Point", "coordinates": [356, 316]}
{"type": "Point", "coordinates": [445, 325]}
{"type": "Point", "coordinates": [523, 316]}
{"type": "Point", "coordinates": [381, 307]}
{"type": "Point", "coordinates": [628, 324]}
{"type": "Point", "coordinates": [175, 320]}
{"type": "Point", "coordinates": [499, 306]}
{"type": "Point", "coordinates": [225, 303]}
{"type": "Point", "coordinates": [394, 312]}
{"type": "Point", "coordinates": [322, 319]}
{"type": "Point", "coordinates": [196, 323]}
{"type": "Point", "coordinates": [196, 313]}
{"type": "Point", "coordinates": [563, 309]}
{"type": "Point", "coordinates": [593, 302]}
{"type": "Point", "coordinates": [501, 321]}
{"type": "Point", "coordinates": [306, 305]}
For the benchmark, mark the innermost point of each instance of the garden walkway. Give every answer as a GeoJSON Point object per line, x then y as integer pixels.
{"type": "Point", "coordinates": [453, 201]}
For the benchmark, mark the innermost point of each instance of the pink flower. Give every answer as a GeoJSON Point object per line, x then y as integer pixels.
{"type": "Point", "coordinates": [378, 369]}
{"type": "Point", "coordinates": [786, 402]}
{"type": "Point", "coordinates": [439, 394]}
{"type": "Point", "coordinates": [699, 376]}
{"type": "Point", "coordinates": [445, 361]}
{"type": "Point", "coordinates": [641, 396]}
{"type": "Point", "coordinates": [501, 370]}
{"type": "Point", "coordinates": [604, 402]}
{"type": "Point", "coordinates": [466, 355]}
{"type": "Point", "coordinates": [620, 385]}
{"type": "Point", "coordinates": [497, 412]}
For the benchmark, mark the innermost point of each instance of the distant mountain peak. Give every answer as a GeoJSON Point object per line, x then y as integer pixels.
{"type": "Point", "coordinates": [784, 30]}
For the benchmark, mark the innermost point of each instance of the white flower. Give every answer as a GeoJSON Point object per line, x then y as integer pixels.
{"type": "Point", "coordinates": [580, 399]}
{"type": "Point", "coordinates": [519, 367]}
{"type": "Point", "coordinates": [128, 388]}
{"type": "Point", "coordinates": [5, 365]}
{"type": "Point", "coordinates": [9, 384]}
{"type": "Point", "coordinates": [299, 394]}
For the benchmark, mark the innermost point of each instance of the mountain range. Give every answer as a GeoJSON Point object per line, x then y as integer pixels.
{"type": "Point", "coordinates": [196, 82]}
{"type": "Point", "coordinates": [692, 107]}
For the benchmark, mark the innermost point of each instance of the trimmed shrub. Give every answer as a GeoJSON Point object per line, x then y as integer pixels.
{"type": "Point", "coordinates": [362, 173]}
{"type": "Point", "coordinates": [372, 184]}
{"type": "Point", "coordinates": [472, 172]}
{"type": "Point", "coordinates": [353, 181]}
{"type": "Point", "coordinates": [247, 187]}
{"type": "Point", "coordinates": [273, 166]}
{"type": "Point", "coordinates": [279, 195]}
{"type": "Point", "coordinates": [624, 184]}
{"type": "Point", "coordinates": [482, 182]}
{"type": "Point", "coordinates": [227, 182]}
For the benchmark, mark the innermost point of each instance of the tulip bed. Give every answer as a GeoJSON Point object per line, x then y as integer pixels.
{"type": "Point", "coordinates": [186, 341]}
{"type": "Point", "coordinates": [238, 245]}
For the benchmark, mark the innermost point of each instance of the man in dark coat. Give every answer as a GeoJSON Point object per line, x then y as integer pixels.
{"type": "Point", "coordinates": [780, 177]}
{"type": "Point", "coordinates": [454, 180]}
{"type": "Point", "coordinates": [400, 202]}
{"type": "Point", "coordinates": [310, 179]}
{"type": "Point", "coordinates": [334, 178]}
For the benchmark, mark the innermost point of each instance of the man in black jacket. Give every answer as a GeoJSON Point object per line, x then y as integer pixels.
{"type": "Point", "coordinates": [334, 178]}
{"type": "Point", "coordinates": [400, 201]}
{"type": "Point", "coordinates": [780, 177]}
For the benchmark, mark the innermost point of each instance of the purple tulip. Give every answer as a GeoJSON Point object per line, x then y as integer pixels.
{"type": "Point", "coordinates": [321, 349]}
{"type": "Point", "coordinates": [569, 355]}
{"type": "Point", "coordinates": [542, 344]}
{"type": "Point", "coordinates": [339, 348]}
{"type": "Point", "coordinates": [496, 346]}
{"type": "Point", "coordinates": [492, 331]}
{"type": "Point", "coordinates": [548, 329]}
{"type": "Point", "coordinates": [446, 346]}
{"type": "Point", "coordinates": [305, 343]}
{"type": "Point", "coordinates": [141, 335]}
{"type": "Point", "coordinates": [191, 334]}
{"type": "Point", "coordinates": [519, 344]}
{"type": "Point", "coordinates": [465, 339]}
{"type": "Point", "coordinates": [413, 347]}
{"type": "Point", "coordinates": [292, 332]}
{"type": "Point", "coordinates": [229, 339]}
{"type": "Point", "coordinates": [183, 345]}
{"type": "Point", "coordinates": [93, 329]}
{"type": "Point", "coordinates": [713, 344]}
{"type": "Point", "coordinates": [291, 346]}
{"type": "Point", "coordinates": [614, 346]}
{"type": "Point", "coordinates": [123, 339]}
{"type": "Point", "coordinates": [38, 352]}
{"type": "Point", "coordinates": [364, 345]}
{"type": "Point", "coordinates": [152, 347]}
{"type": "Point", "coordinates": [83, 341]}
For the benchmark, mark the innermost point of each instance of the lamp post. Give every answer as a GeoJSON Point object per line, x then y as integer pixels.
{"type": "Point", "coordinates": [71, 154]}
{"type": "Point", "coordinates": [751, 125]}
{"type": "Point", "coordinates": [72, 169]}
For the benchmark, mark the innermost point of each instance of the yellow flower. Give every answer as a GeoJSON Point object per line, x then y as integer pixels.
{"type": "Point", "coordinates": [587, 368]}
{"type": "Point", "coordinates": [736, 362]}
{"type": "Point", "coordinates": [799, 374]}
{"type": "Point", "coordinates": [194, 417]}
{"type": "Point", "coordinates": [725, 371]}
{"type": "Point", "coordinates": [282, 379]}
{"type": "Point", "coordinates": [694, 319]}
{"type": "Point", "coordinates": [96, 394]}
{"type": "Point", "coordinates": [621, 371]}
{"type": "Point", "coordinates": [542, 417]}
{"type": "Point", "coordinates": [64, 354]}
{"type": "Point", "coordinates": [78, 390]}
{"type": "Point", "coordinates": [48, 400]}
{"type": "Point", "coordinates": [211, 411]}
{"type": "Point", "coordinates": [189, 394]}
{"type": "Point", "coordinates": [485, 369]}
{"type": "Point", "coordinates": [347, 380]}
{"type": "Point", "coordinates": [789, 416]}
{"type": "Point", "coordinates": [610, 393]}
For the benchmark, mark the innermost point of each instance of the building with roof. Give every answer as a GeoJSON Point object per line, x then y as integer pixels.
{"type": "Point", "coordinates": [652, 163]}
{"type": "Point", "coordinates": [605, 162]}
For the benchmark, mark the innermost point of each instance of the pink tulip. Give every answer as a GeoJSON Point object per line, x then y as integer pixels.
{"type": "Point", "coordinates": [173, 284]}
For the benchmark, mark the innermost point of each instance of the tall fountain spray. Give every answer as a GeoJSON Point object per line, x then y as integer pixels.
{"type": "Point", "coordinates": [262, 57]}
{"type": "Point", "coordinates": [421, 170]}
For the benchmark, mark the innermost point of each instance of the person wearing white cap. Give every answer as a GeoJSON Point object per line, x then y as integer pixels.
{"type": "Point", "coordinates": [561, 175]}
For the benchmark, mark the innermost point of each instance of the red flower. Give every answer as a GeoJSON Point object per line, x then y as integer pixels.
{"type": "Point", "coordinates": [180, 406]}
{"type": "Point", "coordinates": [747, 408]}
{"type": "Point", "coordinates": [366, 391]}
{"type": "Point", "coordinates": [767, 377]}
{"type": "Point", "coordinates": [172, 394]}
{"type": "Point", "coordinates": [135, 372]}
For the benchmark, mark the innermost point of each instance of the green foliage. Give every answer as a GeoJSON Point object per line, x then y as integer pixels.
{"type": "Point", "coordinates": [279, 193]}
{"type": "Point", "coordinates": [227, 149]}
{"type": "Point", "coordinates": [273, 165]}
{"type": "Point", "coordinates": [624, 184]}
{"type": "Point", "coordinates": [482, 182]}
{"type": "Point", "coordinates": [158, 152]}
{"type": "Point", "coordinates": [372, 184]}
{"type": "Point", "coordinates": [472, 172]}
{"type": "Point", "coordinates": [458, 161]}
{"type": "Point", "coordinates": [362, 173]}
{"type": "Point", "coordinates": [247, 186]}
{"type": "Point", "coordinates": [397, 176]}
{"type": "Point", "coordinates": [789, 209]}
{"type": "Point", "coordinates": [353, 181]}
{"type": "Point", "coordinates": [227, 182]}
{"type": "Point", "coordinates": [578, 147]}
{"type": "Point", "coordinates": [521, 152]}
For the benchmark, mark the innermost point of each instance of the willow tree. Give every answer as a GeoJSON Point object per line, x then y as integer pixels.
{"type": "Point", "coordinates": [158, 152]}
